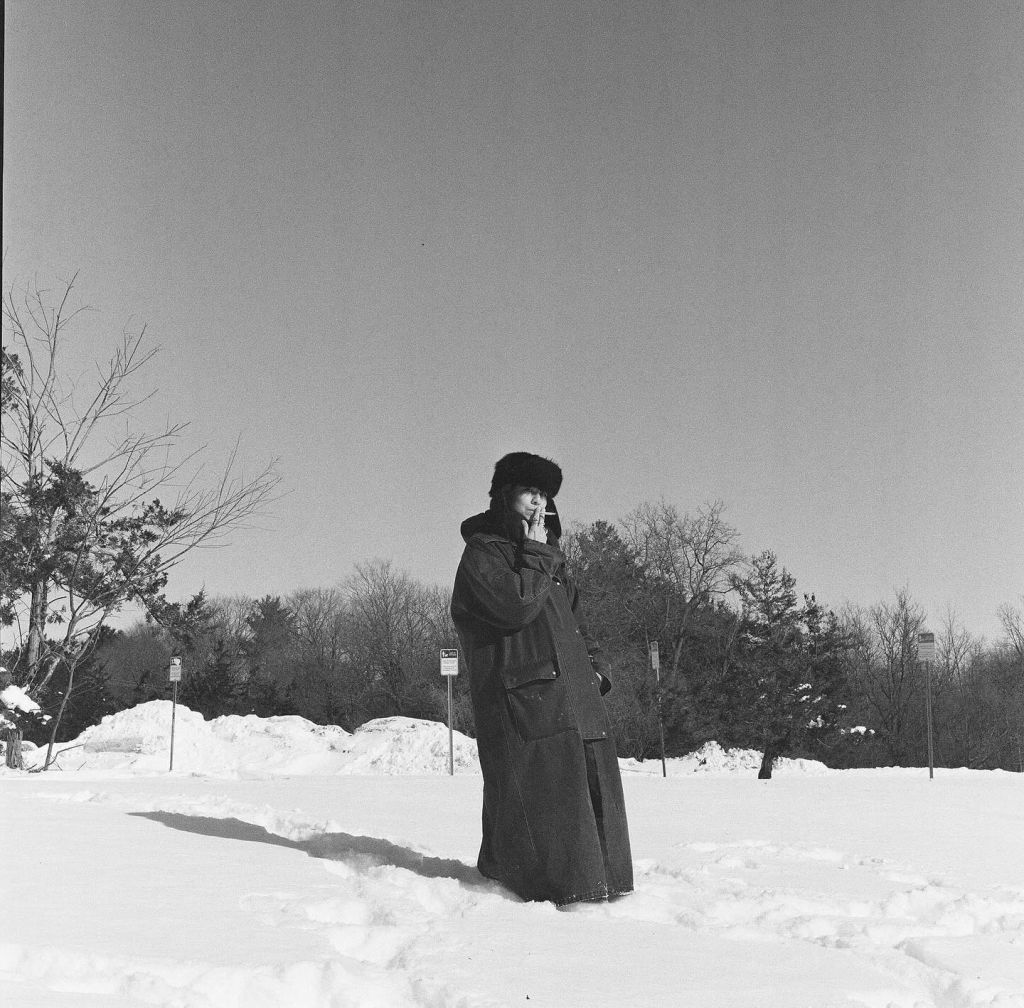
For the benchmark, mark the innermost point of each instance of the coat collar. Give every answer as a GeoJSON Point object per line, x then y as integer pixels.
{"type": "Point", "coordinates": [486, 522]}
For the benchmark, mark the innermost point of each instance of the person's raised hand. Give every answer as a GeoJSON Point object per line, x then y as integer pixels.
{"type": "Point", "coordinates": [535, 526]}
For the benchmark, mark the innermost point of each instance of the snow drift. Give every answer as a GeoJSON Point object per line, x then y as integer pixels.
{"type": "Point", "coordinates": [139, 740]}
{"type": "Point", "coordinates": [291, 865]}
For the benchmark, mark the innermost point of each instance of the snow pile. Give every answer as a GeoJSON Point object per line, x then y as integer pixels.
{"type": "Point", "coordinates": [401, 745]}
{"type": "Point", "coordinates": [285, 744]}
{"type": "Point", "coordinates": [139, 740]}
{"type": "Point", "coordinates": [145, 729]}
{"type": "Point", "coordinates": [15, 698]}
{"type": "Point", "coordinates": [711, 758]}
{"type": "Point", "coordinates": [15, 701]}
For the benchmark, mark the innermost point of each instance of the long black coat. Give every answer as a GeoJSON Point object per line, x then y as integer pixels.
{"type": "Point", "coordinates": [554, 820]}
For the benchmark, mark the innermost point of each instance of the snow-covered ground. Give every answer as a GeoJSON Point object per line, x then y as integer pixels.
{"type": "Point", "coordinates": [285, 864]}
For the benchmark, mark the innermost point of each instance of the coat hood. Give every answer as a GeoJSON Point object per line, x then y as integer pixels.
{"type": "Point", "coordinates": [483, 522]}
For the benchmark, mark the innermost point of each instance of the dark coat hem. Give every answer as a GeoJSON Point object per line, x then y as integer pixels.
{"type": "Point", "coordinates": [591, 896]}
{"type": "Point", "coordinates": [594, 896]}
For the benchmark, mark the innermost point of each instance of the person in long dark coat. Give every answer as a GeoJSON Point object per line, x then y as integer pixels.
{"type": "Point", "coordinates": [554, 817]}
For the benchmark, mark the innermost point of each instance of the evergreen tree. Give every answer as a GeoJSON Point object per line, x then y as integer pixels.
{"type": "Point", "coordinates": [704, 712]}
{"type": "Point", "coordinates": [827, 646]}
{"type": "Point", "coordinates": [786, 683]}
{"type": "Point", "coordinates": [212, 670]}
{"type": "Point", "coordinates": [270, 654]}
{"type": "Point", "coordinates": [215, 686]}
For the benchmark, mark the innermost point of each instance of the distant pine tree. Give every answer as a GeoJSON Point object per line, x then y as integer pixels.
{"type": "Point", "coordinates": [216, 687]}
{"type": "Point", "coordinates": [271, 657]}
{"type": "Point", "coordinates": [785, 684]}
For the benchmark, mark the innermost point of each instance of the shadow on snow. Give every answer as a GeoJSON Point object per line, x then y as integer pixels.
{"type": "Point", "coordinates": [330, 846]}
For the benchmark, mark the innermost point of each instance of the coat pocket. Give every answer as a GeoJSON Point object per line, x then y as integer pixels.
{"type": "Point", "coordinates": [538, 701]}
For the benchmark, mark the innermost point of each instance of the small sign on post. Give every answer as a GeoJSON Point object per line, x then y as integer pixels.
{"type": "Point", "coordinates": [656, 666]}
{"type": "Point", "coordinates": [926, 655]}
{"type": "Point", "coordinates": [174, 674]}
{"type": "Point", "coordinates": [450, 669]}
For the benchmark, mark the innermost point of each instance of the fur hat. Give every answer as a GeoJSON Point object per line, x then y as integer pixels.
{"type": "Point", "coordinates": [524, 469]}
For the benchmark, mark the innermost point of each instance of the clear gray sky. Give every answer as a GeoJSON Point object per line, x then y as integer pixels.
{"type": "Point", "coordinates": [768, 252]}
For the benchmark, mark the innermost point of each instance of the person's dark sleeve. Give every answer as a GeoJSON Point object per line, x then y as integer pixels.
{"type": "Point", "coordinates": [593, 645]}
{"type": "Point", "coordinates": [505, 596]}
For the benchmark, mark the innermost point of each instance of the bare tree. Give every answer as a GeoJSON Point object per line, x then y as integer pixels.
{"type": "Point", "coordinates": [231, 614]}
{"type": "Point", "coordinates": [84, 532]}
{"type": "Point", "coordinates": [892, 678]}
{"type": "Point", "coordinates": [387, 626]}
{"type": "Point", "coordinates": [1012, 619]}
{"type": "Point", "coordinates": [322, 631]}
{"type": "Point", "coordinates": [397, 629]}
{"type": "Point", "coordinates": [957, 650]}
{"type": "Point", "coordinates": [322, 623]}
{"type": "Point", "coordinates": [688, 561]}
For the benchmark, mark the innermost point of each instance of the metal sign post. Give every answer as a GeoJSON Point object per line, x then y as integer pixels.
{"type": "Point", "coordinates": [450, 669]}
{"type": "Point", "coordinates": [656, 666]}
{"type": "Point", "coordinates": [926, 655]}
{"type": "Point", "coordinates": [174, 673]}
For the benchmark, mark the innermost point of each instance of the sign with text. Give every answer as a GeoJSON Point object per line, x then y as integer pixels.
{"type": "Point", "coordinates": [449, 661]}
{"type": "Point", "coordinates": [926, 647]}
{"type": "Point", "coordinates": [175, 670]}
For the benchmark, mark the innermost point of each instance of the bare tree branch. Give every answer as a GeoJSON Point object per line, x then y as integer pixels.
{"type": "Point", "coordinates": [84, 533]}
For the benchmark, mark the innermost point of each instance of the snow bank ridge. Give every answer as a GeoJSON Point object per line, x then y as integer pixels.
{"type": "Point", "coordinates": [138, 741]}
{"type": "Point", "coordinates": [711, 758]}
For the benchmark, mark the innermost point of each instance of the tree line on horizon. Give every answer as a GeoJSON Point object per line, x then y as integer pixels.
{"type": "Point", "coordinates": [95, 513]}
{"type": "Point", "coordinates": [745, 659]}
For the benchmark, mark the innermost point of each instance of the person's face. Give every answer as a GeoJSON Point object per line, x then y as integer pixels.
{"type": "Point", "coordinates": [525, 501]}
